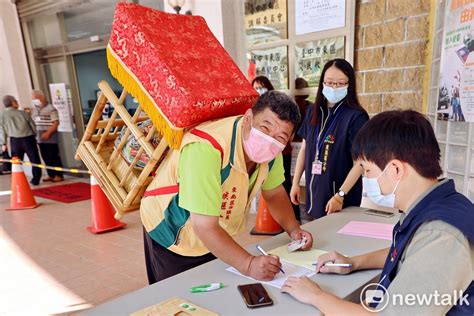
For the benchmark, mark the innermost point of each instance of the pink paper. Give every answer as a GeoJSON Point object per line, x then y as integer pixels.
{"type": "Point", "coordinates": [368, 229]}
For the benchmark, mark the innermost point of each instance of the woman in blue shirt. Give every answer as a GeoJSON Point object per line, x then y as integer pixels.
{"type": "Point", "coordinates": [329, 127]}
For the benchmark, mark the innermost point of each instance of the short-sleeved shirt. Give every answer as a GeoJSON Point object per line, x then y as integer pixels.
{"type": "Point", "coordinates": [335, 147]}
{"type": "Point", "coordinates": [206, 180]}
{"type": "Point", "coordinates": [439, 257]}
{"type": "Point", "coordinates": [44, 118]}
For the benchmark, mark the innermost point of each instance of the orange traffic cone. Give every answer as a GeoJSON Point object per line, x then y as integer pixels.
{"type": "Point", "coordinates": [21, 198]}
{"type": "Point", "coordinates": [102, 211]}
{"type": "Point", "coordinates": [265, 224]}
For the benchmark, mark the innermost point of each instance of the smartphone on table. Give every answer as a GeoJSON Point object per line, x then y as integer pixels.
{"type": "Point", "coordinates": [379, 213]}
{"type": "Point", "coordinates": [255, 295]}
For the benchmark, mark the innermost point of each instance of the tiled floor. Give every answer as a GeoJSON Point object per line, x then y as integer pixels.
{"type": "Point", "coordinates": [50, 263]}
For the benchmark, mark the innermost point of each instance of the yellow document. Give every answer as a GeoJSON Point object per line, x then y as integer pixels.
{"type": "Point", "coordinates": [300, 257]}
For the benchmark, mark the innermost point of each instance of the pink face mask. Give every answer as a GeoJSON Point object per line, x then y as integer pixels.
{"type": "Point", "coordinates": [260, 147]}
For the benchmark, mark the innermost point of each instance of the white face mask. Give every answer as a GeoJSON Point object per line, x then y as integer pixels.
{"type": "Point", "coordinates": [374, 193]}
{"type": "Point", "coordinates": [261, 90]}
{"type": "Point", "coordinates": [37, 102]}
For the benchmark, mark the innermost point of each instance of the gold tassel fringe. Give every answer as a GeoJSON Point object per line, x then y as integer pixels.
{"type": "Point", "coordinates": [172, 135]}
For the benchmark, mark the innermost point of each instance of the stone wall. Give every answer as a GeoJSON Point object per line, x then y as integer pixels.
{"type": "Point", "coordinates": [391, 39]}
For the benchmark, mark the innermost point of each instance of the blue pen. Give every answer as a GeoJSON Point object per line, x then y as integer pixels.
{"type": "Point", "coordinates": [266, 254]}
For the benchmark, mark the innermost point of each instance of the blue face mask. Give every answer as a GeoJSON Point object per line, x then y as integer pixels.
{"type": "Point", "coordinates": [334, 95]}
{"type": "Point", "coordinates": [374, 193]}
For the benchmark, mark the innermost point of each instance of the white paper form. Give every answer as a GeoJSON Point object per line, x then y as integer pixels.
{"type": "Point", "coordinates": [290, 270]}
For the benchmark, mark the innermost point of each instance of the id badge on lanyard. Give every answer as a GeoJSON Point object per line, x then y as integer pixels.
{"type": "Point", "coordinates": [317, 167]}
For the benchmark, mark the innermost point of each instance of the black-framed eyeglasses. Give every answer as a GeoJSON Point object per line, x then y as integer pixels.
{"type": "Point", "coordinates": [335, 84]}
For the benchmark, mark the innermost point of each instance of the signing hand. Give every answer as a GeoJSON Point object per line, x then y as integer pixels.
{"type": "Point", "coordinates": [335, 258]}
{"type": "Point", "coordinates": [264, 267]}
{"type": "Point", "coordinates": [301, 288]}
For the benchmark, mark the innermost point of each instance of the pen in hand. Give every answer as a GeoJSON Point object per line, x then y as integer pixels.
{"type": "Point", "coordinates": [332, 264]}
{"type": "Point", "coordinates": [263, 252]}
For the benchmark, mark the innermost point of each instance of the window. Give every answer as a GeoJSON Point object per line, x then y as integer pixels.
{"type": "Point", "coordinates": [286, 40]}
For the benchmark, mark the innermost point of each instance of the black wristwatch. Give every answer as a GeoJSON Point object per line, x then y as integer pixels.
{"type": "Point", "coordinates": [341, 193]}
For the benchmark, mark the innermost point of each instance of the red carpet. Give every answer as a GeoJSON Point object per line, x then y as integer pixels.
{"type": "Point", "coordinates": [67, 193]}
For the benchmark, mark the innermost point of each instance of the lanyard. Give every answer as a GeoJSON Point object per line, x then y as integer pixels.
{"type": "Point", "coordinates": [322, 126]}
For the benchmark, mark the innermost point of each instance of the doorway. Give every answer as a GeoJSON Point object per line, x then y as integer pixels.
{"type": "Point", "coordinates": [91, 67]}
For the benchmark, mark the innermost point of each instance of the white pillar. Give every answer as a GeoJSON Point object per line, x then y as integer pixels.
{"type": "Point", "coordinates": [210, 10]}
{"type": "Point", "coordinates": [14, 74]}
{"type": "Point", "coordinates": [233, 27]}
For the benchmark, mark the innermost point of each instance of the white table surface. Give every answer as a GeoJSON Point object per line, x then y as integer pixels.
{"type": "Point", "coordinates": [228, 301]}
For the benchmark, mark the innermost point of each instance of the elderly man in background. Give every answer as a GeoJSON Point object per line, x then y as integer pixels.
{"type": "Point", "coordinates": [46, 119]}
{"type": "Point", "coordinates": [21, 129]}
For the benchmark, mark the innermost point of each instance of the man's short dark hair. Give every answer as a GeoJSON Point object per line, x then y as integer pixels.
{"type": "Point", "coordinates": [281, 104]}
{"type": "Point", "coordinates": [403, 135]}
{"type": "Point", "coordinates": [8, 101]}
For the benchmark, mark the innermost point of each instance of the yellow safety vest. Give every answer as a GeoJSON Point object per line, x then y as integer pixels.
{"type": "Point", "coordinates": [167, 223]}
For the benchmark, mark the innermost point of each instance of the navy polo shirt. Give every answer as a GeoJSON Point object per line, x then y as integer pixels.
{"type": "Point", "coordinates": [335, 154]}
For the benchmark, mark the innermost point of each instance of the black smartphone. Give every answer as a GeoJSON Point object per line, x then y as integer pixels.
{"type": "Point", "coordinates": [379, 213]}
{"type": "Point", "coordinates": [255, 295]}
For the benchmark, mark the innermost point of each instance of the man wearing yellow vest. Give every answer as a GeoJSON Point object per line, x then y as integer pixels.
{"type": "Point", "coordinates": [201, 194]}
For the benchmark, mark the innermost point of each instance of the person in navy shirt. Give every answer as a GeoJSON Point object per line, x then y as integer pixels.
{"type": "Point", "coordinates": [432, 251]}
{"type": "Point", "coordinates": [328, 130]}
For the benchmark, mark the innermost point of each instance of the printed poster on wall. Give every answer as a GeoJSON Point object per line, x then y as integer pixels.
{"type": "Point", "coordinates": [319, 15]}
{"type": "Point", "coordinates": [272, 63]}
{"type": "Point", "coordinates": [265, 21]}
{"type": "Point", "coordinates": [311, 57]}
{"type": "Point", "coordinates": [456, 81]}
{"type": "Point", "coordinates": [61, 100]}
